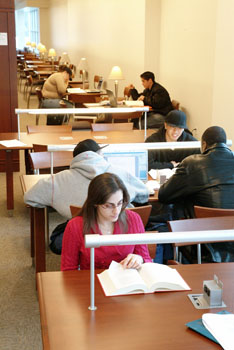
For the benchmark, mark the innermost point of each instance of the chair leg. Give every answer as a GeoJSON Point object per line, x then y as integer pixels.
{"type": "Point", "coordinates": [139, 123]}
{"type": "Point", "coordinates": [29, 95]}
{"type": "Point", "coordinates": [37, 118]}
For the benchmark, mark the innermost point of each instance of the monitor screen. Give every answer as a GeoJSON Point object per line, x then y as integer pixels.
{"type": "Point", "coordinates": [135, 162]}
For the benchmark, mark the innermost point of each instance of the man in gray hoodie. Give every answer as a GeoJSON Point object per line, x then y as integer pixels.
{"type": "Point", "coordinates": [70, 187]}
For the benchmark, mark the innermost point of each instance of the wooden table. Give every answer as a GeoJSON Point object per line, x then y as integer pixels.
{"type": "Point", "coordinates": [38, 223]}
{"type": "Point", "coordinates": [48, 139]}
{"type": "Point", "coordinates": [44, 73]}
{"type": "Point", "coordinates": [136, 322]}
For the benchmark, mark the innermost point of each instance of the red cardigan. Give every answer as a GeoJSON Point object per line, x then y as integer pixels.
{"type": "Point", "coordinates": [75, 254]}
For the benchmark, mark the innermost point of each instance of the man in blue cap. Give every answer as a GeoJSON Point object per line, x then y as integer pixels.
{"type": "Point", "coordinates": [173, 130]}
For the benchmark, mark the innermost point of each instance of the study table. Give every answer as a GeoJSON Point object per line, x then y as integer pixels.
{"type": "Point", "coordinates": [52, 138]}
{"type": "Point", "coordinates": [38, 222]}
{"type": "Point", "coordinates": [135, 322]}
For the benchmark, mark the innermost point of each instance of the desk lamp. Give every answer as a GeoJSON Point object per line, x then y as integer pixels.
{"type": "Point", "coordinates": [43, 51]}
{"type": "Point", "coordinates": [33, 46]}
{"type": "Point", "coordinates": [39, 47]}
{"type": "Point", "coordinates": [52, 54]}
{"type": "Point", "coordinates": [83, 66]}
{"type": "Point", "coordinates": [116, 75]}
{"type": "Point", "coordinates": [65, 59]}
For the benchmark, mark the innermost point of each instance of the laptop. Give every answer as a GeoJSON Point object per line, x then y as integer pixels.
{"type": "Point", "coordinates": [112, 98]}
{"type": "Point", "coordinates": [133, 161]}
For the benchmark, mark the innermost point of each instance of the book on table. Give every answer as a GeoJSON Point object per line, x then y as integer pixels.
{"type": "Point", "coordinates": [150, 278]}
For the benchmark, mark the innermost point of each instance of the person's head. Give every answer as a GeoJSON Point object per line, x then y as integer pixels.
{"type": "Point", "coordinates": [211, 136]}
{"type": "Point", "coordinates": [67, 72]}
{"type": "Point", "coordinates": [147, 79]}
{"type": "Point", "coordinates": [175, 123]}
{"type": "Point", "coordinates": [107, 198]}
{"type": "Point", "coordinates": [87, 145]}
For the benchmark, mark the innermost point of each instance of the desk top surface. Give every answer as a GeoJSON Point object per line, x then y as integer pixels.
{"type": "Point", "coordinates": [132, 136]}
{"type": "Point", "coordinates": [153, 321]}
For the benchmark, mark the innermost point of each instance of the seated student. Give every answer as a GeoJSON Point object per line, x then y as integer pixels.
{"type": "Point", "coordinates": [70, 187]}
{"type": "Point", "coordinates": [53, 91]}
{"type": "Point", "coordinates": [154, 95]}
{"type": "Point", "coordinates": [173, 130]}
{"type": "Point", "coordinates": [103, 213]}
{"type": "Point", "coordinates": [207, 180]}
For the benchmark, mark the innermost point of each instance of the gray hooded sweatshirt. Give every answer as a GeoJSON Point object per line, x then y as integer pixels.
{"type": "Point", "coordinates": [70, 187]}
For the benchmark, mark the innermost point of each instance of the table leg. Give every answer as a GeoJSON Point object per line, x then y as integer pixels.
{"type": "Point", "coordinates": [9, 180]}
{"type": "Point", "coordinates": [32, 231]}
{"type": "Point", "coordinates": [39, 239]}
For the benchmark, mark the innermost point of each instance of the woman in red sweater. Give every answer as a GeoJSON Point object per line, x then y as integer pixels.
{"type": "Point", "coordinates": [103, 213]}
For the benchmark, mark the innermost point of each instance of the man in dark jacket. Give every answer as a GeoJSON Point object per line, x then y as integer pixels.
{"type": "Point", "coordinates": [172, 131]}
{"type": "Point", "coordinates": [207, 180]}
{"type": "Point", "coordinates": [154, 95]}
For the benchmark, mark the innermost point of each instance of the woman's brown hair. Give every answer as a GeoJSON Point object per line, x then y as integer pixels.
{"type": "Point", "coordinates": [99, 191]}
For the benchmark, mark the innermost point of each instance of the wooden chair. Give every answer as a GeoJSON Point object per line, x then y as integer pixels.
{"type": "Point", "coordinates": [205, 224]}
{"type": "Point", "coordinates": [49, 129]}
{"type": "Point", "coordinates": [96, 81]}
{"type": "Point", "coordinates": [40, 99]}
{"type": "Point", "coordinates": [175, 104]}
{"type": "Point", "coordinates": [42, 161]}
{"type": "Point", "coordinates": [111, 126]}
{"type": "Point", "coordinates": [205, 212]}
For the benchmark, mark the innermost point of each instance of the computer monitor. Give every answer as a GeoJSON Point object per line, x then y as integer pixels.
{"type": "Point", "coordinates": [135, 162]}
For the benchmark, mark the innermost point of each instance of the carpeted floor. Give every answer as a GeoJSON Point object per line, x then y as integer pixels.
{"type": "Point", "coordinates": [20, 319]}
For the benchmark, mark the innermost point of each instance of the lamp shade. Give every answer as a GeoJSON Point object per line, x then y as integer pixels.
{"type": "Point", "coordinates": [83, 65]}
{"type": "Point", "coordinates": [28, 43]}
{"type": "Point", "coordinates": [52, 53]}
{"type": "Point", "coordinates": [39, 46]}
{"type": "Point", "coordinates": [65, 58]}
{"type": "Point", "coordinates": [43, 49]}
{"type": "Point", "coordinates": [116, 74]}
{"type": "Point", "coordinates": [33, 45]}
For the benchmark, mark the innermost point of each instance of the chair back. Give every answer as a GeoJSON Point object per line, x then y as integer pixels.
{"type": "Point", "coordinates": [75, 210]}
{"type": "Point", "coordinates": [205, 224]}
{"type": "Point", "coordinates": [127, 92]}
{"type": "Point", "coordinates": [42, 160]}
{"type": "Point", "coordinates": [175, 104]}
{"type": "Point", "coordinates": [49, 129]}
{"type": "Point", "coordinates": [144, 212]}
{"type": "Point", "coordinates": [96, 81]}
{"type": "Point", "coordinates": [111, 126]}
{"type": "Point", "coordinates": [205, 212]}
{"type": "Point", "coordinates": [39, 96]}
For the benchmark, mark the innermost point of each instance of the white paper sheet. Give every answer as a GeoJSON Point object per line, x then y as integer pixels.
{"type": "Point", "coordinates": [12, 143]}
{"type": "Point", "coordinates": [221, 327]}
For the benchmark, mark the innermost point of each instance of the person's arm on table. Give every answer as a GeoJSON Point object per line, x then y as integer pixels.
{"type": "Point", "coordinates": [41, 194]}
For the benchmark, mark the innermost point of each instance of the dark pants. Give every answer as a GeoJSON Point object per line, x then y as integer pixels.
{"type": "Point", "coordinates": [154, 120]}
{"type": "Point", "coordinates": [53, 119]}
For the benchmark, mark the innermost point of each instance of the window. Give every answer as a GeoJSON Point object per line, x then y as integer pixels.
{"type": "Point", "coordinates": [27, 26]}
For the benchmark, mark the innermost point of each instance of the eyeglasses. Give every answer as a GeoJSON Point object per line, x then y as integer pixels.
{"type": "Point", "coordinates": [112, 205]}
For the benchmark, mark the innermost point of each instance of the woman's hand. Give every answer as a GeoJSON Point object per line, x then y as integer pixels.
{"type": "Point", "coordinates": [132, 261]}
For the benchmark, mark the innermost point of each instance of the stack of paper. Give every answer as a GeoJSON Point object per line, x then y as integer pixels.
{"type": "Point", "coordinates": [12, 143]}
{"type": "Point", "coordinates": [221, 327]}
{"type": "Point", "coordinates": [137, 103]}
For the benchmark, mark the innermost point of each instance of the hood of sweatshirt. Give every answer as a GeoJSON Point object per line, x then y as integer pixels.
{"type": "Point", "coordinates": [89, 164]}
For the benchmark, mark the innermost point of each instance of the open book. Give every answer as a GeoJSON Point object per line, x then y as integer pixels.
{"type": "Point", "coordinates": [150, 278]}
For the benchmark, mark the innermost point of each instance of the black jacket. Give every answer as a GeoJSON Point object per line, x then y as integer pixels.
{"type": "Point", "coordinates": [206, 180]}
{"type": "Point", "coordinates": [203, 179]}
{"type": "Point", "coordinates": [161, 159]}
{"type": "Point", "coordinates": [157, 97]}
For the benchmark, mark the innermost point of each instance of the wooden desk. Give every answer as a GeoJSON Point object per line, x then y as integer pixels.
{"type": "Point", "coordinates": [80, 98]}
{"type": "Point", "coordinates": [49, 139]}
{"type": "Point", "coordinates": [44, 73]}
{"type": "Point", "coordinates": [136, 322]}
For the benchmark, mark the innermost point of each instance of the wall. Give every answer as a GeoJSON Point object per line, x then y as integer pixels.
{"type": "Point", "coordinates": [104, 32]}
{"type": "Point", "coordinates": [224, 69]}
{"type": "Point", "coordinates": [187, 54]}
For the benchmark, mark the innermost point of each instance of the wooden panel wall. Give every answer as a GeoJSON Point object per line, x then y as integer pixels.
{"type": "Point", "coordinates": [8, 76]}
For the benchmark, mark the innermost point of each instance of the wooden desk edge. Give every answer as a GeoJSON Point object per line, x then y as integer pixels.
{"type": "Point", "coordinates": [44, 328]}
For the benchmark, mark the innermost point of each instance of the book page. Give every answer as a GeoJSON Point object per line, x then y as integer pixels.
{"type": "Point", "coordinates": [162, 277]}
{"type": "Point", "coordinates": [125, 278]}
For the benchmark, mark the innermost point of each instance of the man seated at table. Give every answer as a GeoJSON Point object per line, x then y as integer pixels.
{"type": "Point", "coordinates": [207, 180]}
{"type": "Point", "coordinates": [173, 130]}
{"type": "Point", "coordinates": [53, 91]}
{"type": "Point", "coordinates": [69, 187]}
{"type": "Point", "coordinates": [155, 96]}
